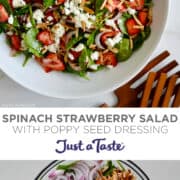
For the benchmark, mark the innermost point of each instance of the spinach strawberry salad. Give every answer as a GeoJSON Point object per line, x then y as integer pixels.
{"type": "Point", "coordinates": [75, 36]}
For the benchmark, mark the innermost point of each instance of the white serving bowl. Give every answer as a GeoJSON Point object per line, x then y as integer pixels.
{"type": "Point", "coordinates": [67, 86]}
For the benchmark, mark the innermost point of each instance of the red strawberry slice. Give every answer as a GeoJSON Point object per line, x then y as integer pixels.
{"type": "Point", "coordinates": [15, 41]}
{"type": "Point", "coordinates": [45, 37]}
{"type": "Point", "coordinates": [3, 14]}
{"type": "Point", "coordinates": [109, 58]}
{"type": "Point", "coordinates": [143, 17]}
{"type": "Point", "coordinates": [137, 4]}
{"type": "Point", "coordinates": [51, 63]}
{"type": "Point", "coordinates": [130, 23]}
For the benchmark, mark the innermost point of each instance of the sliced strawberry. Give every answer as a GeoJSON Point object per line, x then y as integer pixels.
{"type": "Point", "coordinates": [51, 63]}
{"type": "Point", "coordinates": [130, 23]}
{"type": "Point", "coordinates": [75, 54]}
{"type": "Point", "coordinates": [111, 5]}
{"type": "Point", "coordinates": [143, 17]}
{"type": "Point", "coordinates": [108, 35]}
{"type": "Point", "coordinates": [15, 41]}
{"type": "Point", "coordinates": [109, 58]}
{"type": "Point", "coordinates": [45, 37]}
{"type": "Point", "coordinates": [58, 2]}
{"type": "Point", "coordinates": [137, 4]}
{"type": "Point", "coordinates": [3, 14]}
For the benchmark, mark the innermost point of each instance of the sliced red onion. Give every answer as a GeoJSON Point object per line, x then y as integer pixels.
{"type": "Point", "coordinates": [98, 40]}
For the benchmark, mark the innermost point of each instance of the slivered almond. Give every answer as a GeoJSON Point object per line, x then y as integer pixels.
{"type": "Point", "coordinates": [131, 43]}
{"type": "Point", "coordinates": [103, 4]}
{"type": "Point", "coordinates": [138, 27]}
{"type": "Point", "coordinates": [88, 10]}
{"type": "Point", "coordinates": [137, 20]}
{"type": "Point", "coordinates": [92, 46]}
{"type": "Point", "coordinates": [83, 25]}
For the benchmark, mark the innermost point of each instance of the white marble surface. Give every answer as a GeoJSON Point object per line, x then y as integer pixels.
{"type": "Point", "coordinates": [27, 170]}
{"type": "Point", "coordinates": [13, 95]}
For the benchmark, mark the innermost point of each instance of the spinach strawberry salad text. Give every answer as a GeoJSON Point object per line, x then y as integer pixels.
{"type": "Point", "coordinates": [75, 36]}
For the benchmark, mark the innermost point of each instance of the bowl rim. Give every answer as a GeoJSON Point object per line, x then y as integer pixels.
{"type": "Point", "coordinates": [107, 90]}
{"type": "Point", "coordinates": [130, 164]}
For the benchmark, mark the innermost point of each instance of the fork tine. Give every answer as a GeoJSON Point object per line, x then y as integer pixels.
{"type": "Point", "coordinates": [176, 102]}
{"type": "Point", "coordinates": [169, 91]}
{"type": "Point", "coordinates": [150, 65]}
{"type": "Point", "coordinates": [147, 90]}
{"type": "Point", "coordinates": [165, 69]}
{"type": "Point", "coordinates": [166, 84]}
{"type": "Point", "coordinates": [159, 89]}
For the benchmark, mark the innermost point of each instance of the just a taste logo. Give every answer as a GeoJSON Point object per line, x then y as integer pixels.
{"type": "Point", "coordinates": [98, 145]}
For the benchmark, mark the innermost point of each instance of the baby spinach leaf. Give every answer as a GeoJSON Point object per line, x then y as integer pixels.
{"type": "Point", "coordinates": [3, 27]}
{"type": "Point", "coordinates": [66, 166]}
{"type": "Point", "coordinates": [140, 38]}
{"type": "Point", "coordinates": [91, 38]}
{"type": "Point", "coordinates": [6, 4]}
{"type": "Point", "coordinates": [21, 11]}
{"type": "Point", "coordinates": [124, 49]}
{"type": "Point", "coordinates": [31, 42]}
{"type": "Point", "coordinates": [110, 169]}
{"type": "Point", "coordinates": [98, 4]}
{"type": "Point", "coordinates": [48, 3]}
{"type": "Point", "coordinates": [73, 41]}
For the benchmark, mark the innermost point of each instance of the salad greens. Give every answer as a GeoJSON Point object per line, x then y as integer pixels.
{"type": "Point", "coordinates": [76, 36]}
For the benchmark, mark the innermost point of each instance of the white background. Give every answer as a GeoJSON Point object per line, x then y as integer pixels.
{"type": "Point", "coordinates": [12, 94]}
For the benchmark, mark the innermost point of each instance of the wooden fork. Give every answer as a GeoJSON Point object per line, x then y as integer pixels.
{"type": "Point", "coordinates": [161, 95]}
{"type": "Point", "coordinates": [131, 97]}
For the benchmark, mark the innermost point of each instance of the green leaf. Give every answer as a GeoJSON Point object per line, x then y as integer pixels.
{"type": "Point", "coordinates": [66, 167]}
{"type": "Point", "coordinates": [91, 38]}
{"type": "Point", "coordinates": [73, 41]}
{"type": "Point", "coordinates": [6, 4]}
{"type": "Point", "coordinates": [31, 42]}
{"type": "Point", "coordinates": [122, 24]}
{"type": "Point", "coordinates": [110, 169]}
{"type": "Point", "coordinates": [3, 27]}
{"type": "Point", "coordinates": [98, 5]}
{"type": "Point", "coordinates": [31, 17]}
{"type": "Point", "coordinates": [141, 37]}
{"type": "Point", "coordinates": [21, 11]}
{"type": "Point", "coordinates": [27, 58]}
{"type": "Point", "coordinates": [48, 3]}
{"type": "Point", "coordinates": [82, 59]}
{"type": "Point", "coordinates": [124, 49]}
{"type": "Point", "coordinates": [120, 165]}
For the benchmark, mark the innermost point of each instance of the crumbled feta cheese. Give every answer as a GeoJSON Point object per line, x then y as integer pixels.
{"type": "Point", "coordinates": [131, 11]}
{"type": "Point", "coordinates": [70, 56]}
{"type": "Point", "coordinates": [52, 48]}
{"type": "Point", "coordinates": [109, 66]}
{"type": "Point", "coordinates": [95, 55]}
{"type": "Point", "coordinates": [11, 19]}
{"type": "Point", "coordinates": [78, 48]}
{"type": "Point", "coordinates": [28, 24]}
{"type": "Point", "coordinates": [49, 18]}
{"type": "Point", "coordinates": [113, 41]}
{"type": "Point", "coordinates": [9, 33]}
{"type": "Point", "coordinates": [58, 31]}
{"type": "Point", "coordinates": [94, 66]}
{"type": "Point", "coordinates": [73, 7]}
{"type": "Point", "coordinates": [38, 15]}
{"type": "Point", "coordinates": [111, 23]}
{"type": "Point", "coordinates": [18, 3]}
